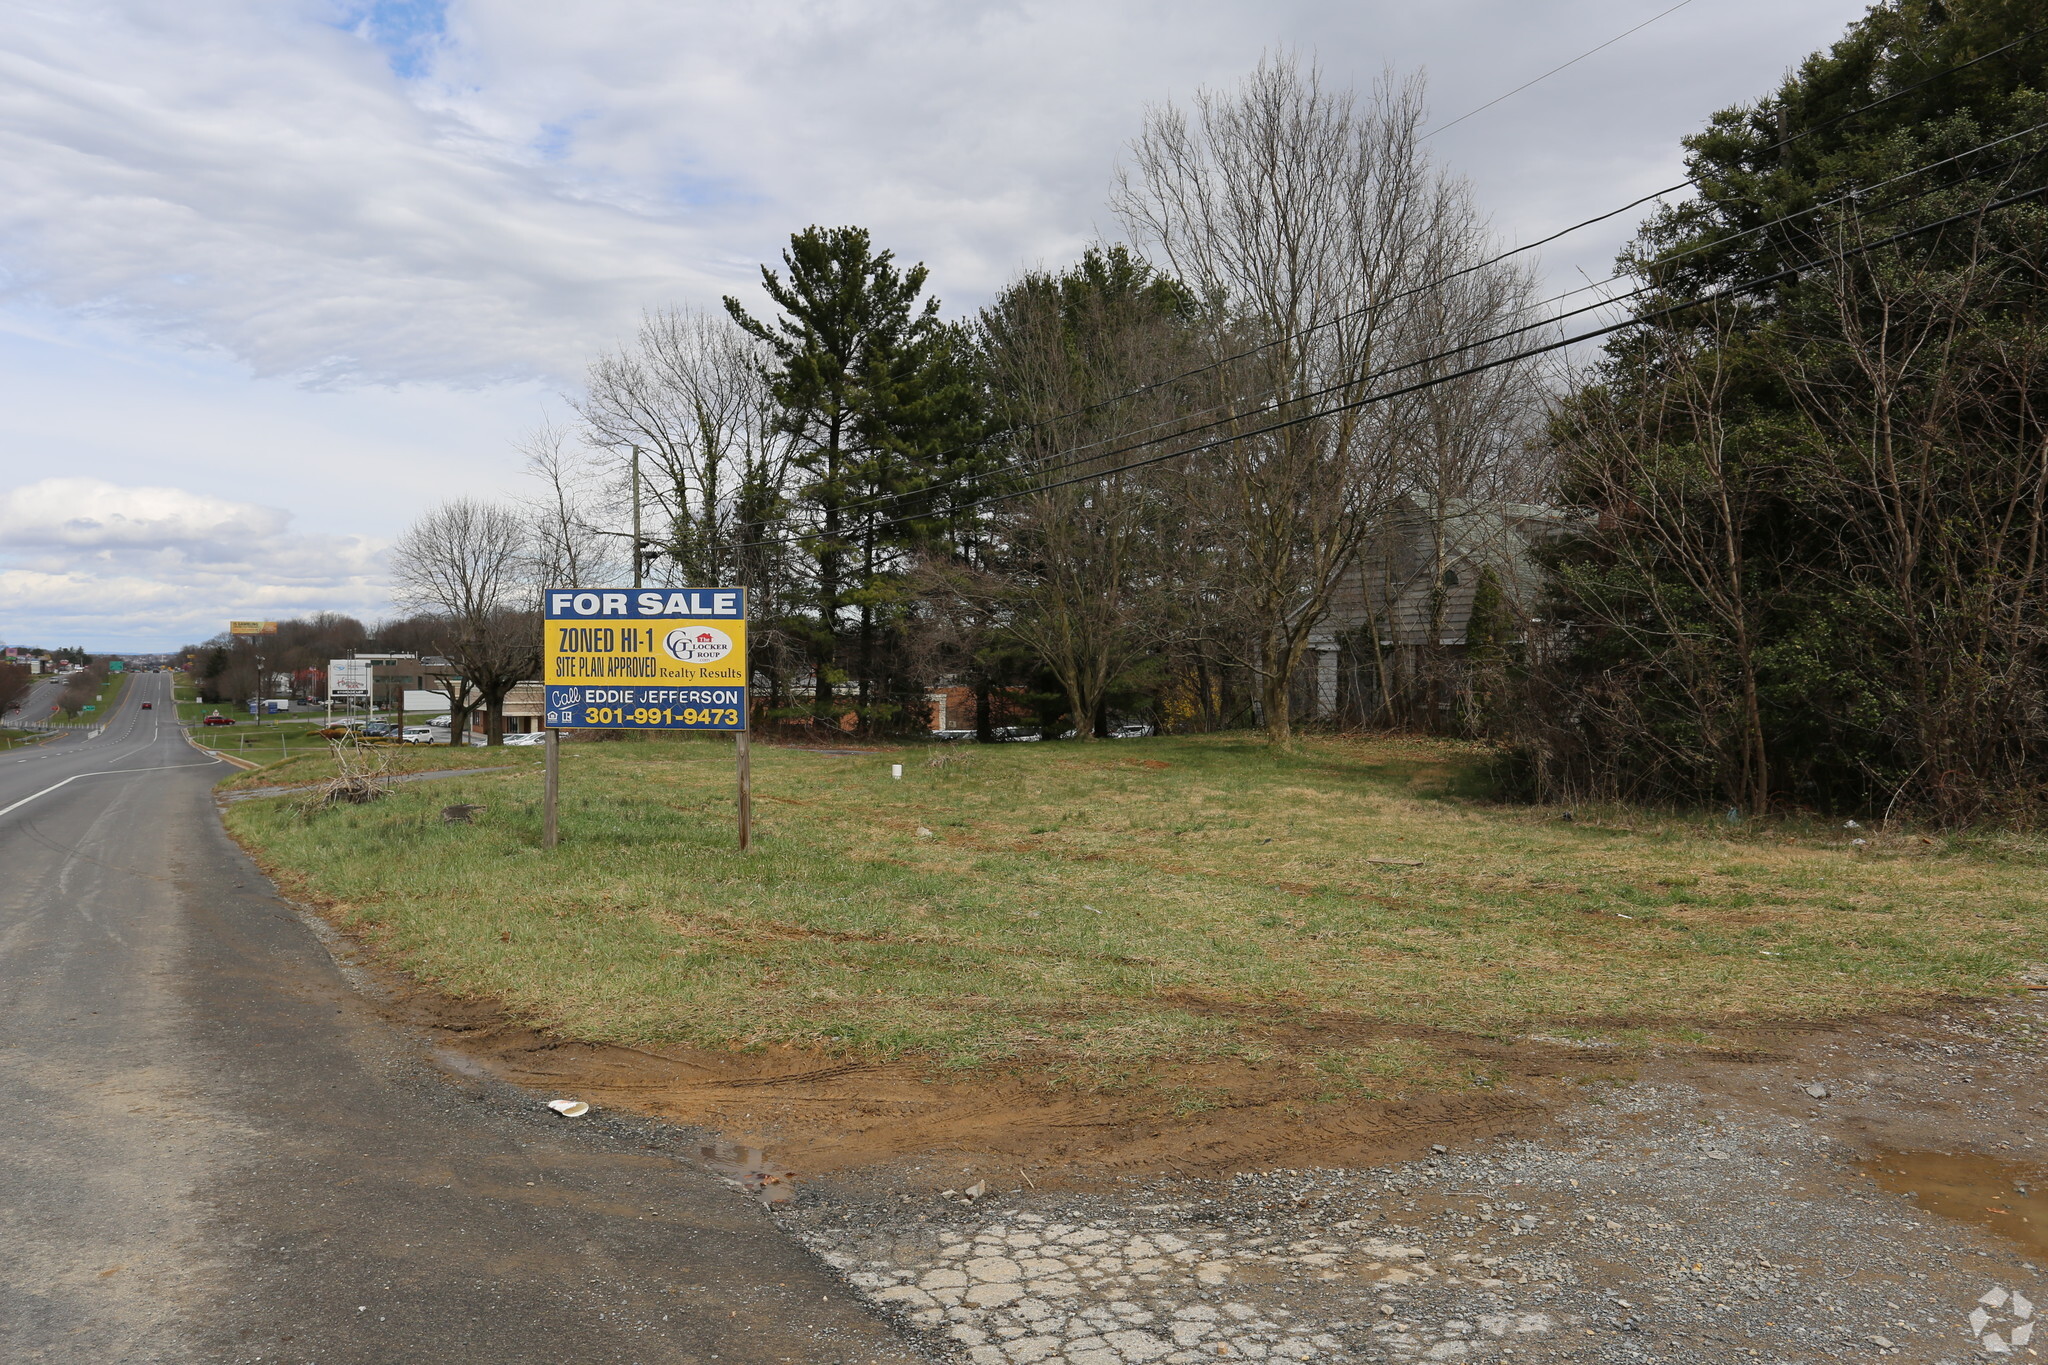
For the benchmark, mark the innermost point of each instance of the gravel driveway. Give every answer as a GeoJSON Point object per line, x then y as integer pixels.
{"type": "Point", "coordinates": [1859, 1194]}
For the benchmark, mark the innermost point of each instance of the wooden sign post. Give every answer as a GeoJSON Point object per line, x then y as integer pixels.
{"type": "Point", "coordinates": [746, 767]}
{"type": "Point", "coordinates": [645, 659]}
{"type": "Point", "coordinates": [550, 787]}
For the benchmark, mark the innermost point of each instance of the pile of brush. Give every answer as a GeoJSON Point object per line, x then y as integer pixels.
{"type": "Point", "coordinates": [362, 775]}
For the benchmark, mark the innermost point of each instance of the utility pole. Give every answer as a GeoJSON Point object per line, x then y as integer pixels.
{"type": "Point", "coordinates": [635, 539]}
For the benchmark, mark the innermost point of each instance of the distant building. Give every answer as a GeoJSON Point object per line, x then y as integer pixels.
{"type": "Point", "coordinates": [1399, 618]}
{"type": "Point", "coordinates": [525, 711]}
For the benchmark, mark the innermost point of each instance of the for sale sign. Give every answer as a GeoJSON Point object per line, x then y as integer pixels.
{"type": "Point", "coordinates": [645, 659]}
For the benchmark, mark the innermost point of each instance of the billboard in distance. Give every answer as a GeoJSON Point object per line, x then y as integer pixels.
{"type": "Point", "coordinates": [252, 627]}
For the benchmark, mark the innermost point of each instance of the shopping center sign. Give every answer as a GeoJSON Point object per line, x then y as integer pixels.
{"type": "Point", "coordinates": [645, 659]}
{"type": "Point", "coordinates": [348, 679]}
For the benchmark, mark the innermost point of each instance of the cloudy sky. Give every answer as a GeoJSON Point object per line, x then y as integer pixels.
{"type": "Point", "coordinates": [277, 274]}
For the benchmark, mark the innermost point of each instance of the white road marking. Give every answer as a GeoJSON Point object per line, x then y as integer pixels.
{"type": "Point", "coordinates": [110, 772]}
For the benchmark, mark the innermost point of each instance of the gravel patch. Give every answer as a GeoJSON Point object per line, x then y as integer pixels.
{"type": "Point", "coordinates": [1663, 1223]}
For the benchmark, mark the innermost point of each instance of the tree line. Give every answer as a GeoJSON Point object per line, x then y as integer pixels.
{"type": "Point", "coordinates": [1796, 556]}
{"type": "Point", "coordinates": [1811, 570]}
{"type": "Point", "coordinates": [909, 498]}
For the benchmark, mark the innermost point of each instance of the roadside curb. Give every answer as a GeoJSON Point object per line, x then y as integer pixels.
{"type": "Point", "coordinates": [246, 765]}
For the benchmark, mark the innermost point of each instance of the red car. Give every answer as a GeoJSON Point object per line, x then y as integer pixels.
{"type": "Point", "coordinates": [147, 705]}
{"type": "Point", "coordinates": [218, 719]}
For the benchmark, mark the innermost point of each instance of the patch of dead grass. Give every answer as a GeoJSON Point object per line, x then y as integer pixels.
{"type": "Point", "coordinates": [1103, 913]}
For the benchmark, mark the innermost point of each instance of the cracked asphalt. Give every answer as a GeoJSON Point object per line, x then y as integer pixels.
{"type": "Point", "coordinates": [1873, 1192]}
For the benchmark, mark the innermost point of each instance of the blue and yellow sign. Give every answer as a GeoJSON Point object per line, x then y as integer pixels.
{"type": "Point", "coordinates": [645, 659]}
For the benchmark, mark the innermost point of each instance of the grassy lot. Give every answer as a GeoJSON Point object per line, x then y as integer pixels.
{"type": "Point", "coordinates": [278, 737]}
{"type": "Point", "coordinates": [190, 708]}
{"type": "Point", "coordinates": [265, 743]}
{"type": "Point", "coordinates": [1120, 905]}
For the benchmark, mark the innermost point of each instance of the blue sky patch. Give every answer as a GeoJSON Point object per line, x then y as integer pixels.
{"type": "Point", "coordinates": [409, 31]}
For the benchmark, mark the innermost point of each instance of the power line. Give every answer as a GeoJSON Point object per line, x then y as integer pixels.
{"type": "Point", "coordinates": [1847, 196]}
{"type": "Point", "coordinates": [1553, 71]}
{"type": "Point", "coordinates": [1453, 275]}
{"type": "Point", "coordinates": [1399, 296]}
{"type": "Point", "coordinates": [1732, 291]}
{"type": "Point", "coordinates": [1670, 310]}
{"type": "Point", "coordinates": [1688, 183]}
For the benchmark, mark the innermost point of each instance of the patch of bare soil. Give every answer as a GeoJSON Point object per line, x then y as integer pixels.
{"type": "Point", "coordinates": [1906, 1089]}
{"type": "Point", "coordinates": [1870, 1189]}
{"type": "Point", "coordinates": [1860, 1193]}
{"type": "Point", "coordinates": [827, 1113]}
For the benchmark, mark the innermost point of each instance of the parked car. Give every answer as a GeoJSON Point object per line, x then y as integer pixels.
{"type": "Point", "coordinates": [1132, 730]}
{"type": "Point", "coordinates": [419, 734]}
{"type": "Point", "coordinates": [440, 722]}
{"type": "Point", "coordinates": [526, 741]}
{"type": "Point", "coordinates": [218, 719]}
{"type": "Point", "coordinates": [1016, 734]}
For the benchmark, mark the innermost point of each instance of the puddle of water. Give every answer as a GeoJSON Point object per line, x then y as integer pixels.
{"type": "Point", "coordinates": [768, 1181]}
{"type": "Point", "coordinates": [2002, 1196]}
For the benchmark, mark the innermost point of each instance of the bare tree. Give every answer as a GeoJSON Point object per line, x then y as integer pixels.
{"type": "Point", "coordinates": [687, 401]}
{"type": "Point", "coordinates": [1309, 219]}
{"type": "Point", "coordinates": [688, 395]}
{"type": "Point", "coordinates": [1676, 501]}
{"type": "Point", "coordinates": [567, 549]}
{"type": "Point", "coordinates": [1923, 390]}
{"type": "Point", "coordinates": [469, 564]}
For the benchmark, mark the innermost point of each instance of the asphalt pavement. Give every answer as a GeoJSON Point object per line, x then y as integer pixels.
{"type": "Point", "coordinates": [39, 706]}
{"type": "Point", "coordinates": [217, 1149]}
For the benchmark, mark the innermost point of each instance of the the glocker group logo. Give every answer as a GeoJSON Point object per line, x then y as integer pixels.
{"type": "Point", "coordinates": [697, 644]}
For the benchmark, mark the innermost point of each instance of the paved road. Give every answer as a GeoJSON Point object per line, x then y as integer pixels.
{"type": "Point", "coordinates": [216, 1151]}
{"type": "Point", "coordinates": [39, 705]}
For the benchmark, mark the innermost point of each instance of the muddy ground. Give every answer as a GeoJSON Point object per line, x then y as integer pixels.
{"type": "Point", "coordinates": [1856, 1192]}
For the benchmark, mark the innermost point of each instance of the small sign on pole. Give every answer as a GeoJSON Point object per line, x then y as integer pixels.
{"type": "Point", "coordinates": [646, 659]}
{"type": "Point", "coordinates": [348, 679]}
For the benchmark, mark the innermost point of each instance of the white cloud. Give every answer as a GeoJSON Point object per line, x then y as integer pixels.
{"type": "Point", "coordinates": [426, 215]}
{"type": "Point", "coordinates": [152, 567]}
{"type": "Point", "coordinates": [255, 174]}
{"type": "Point", "coordinates": [93, 513]}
